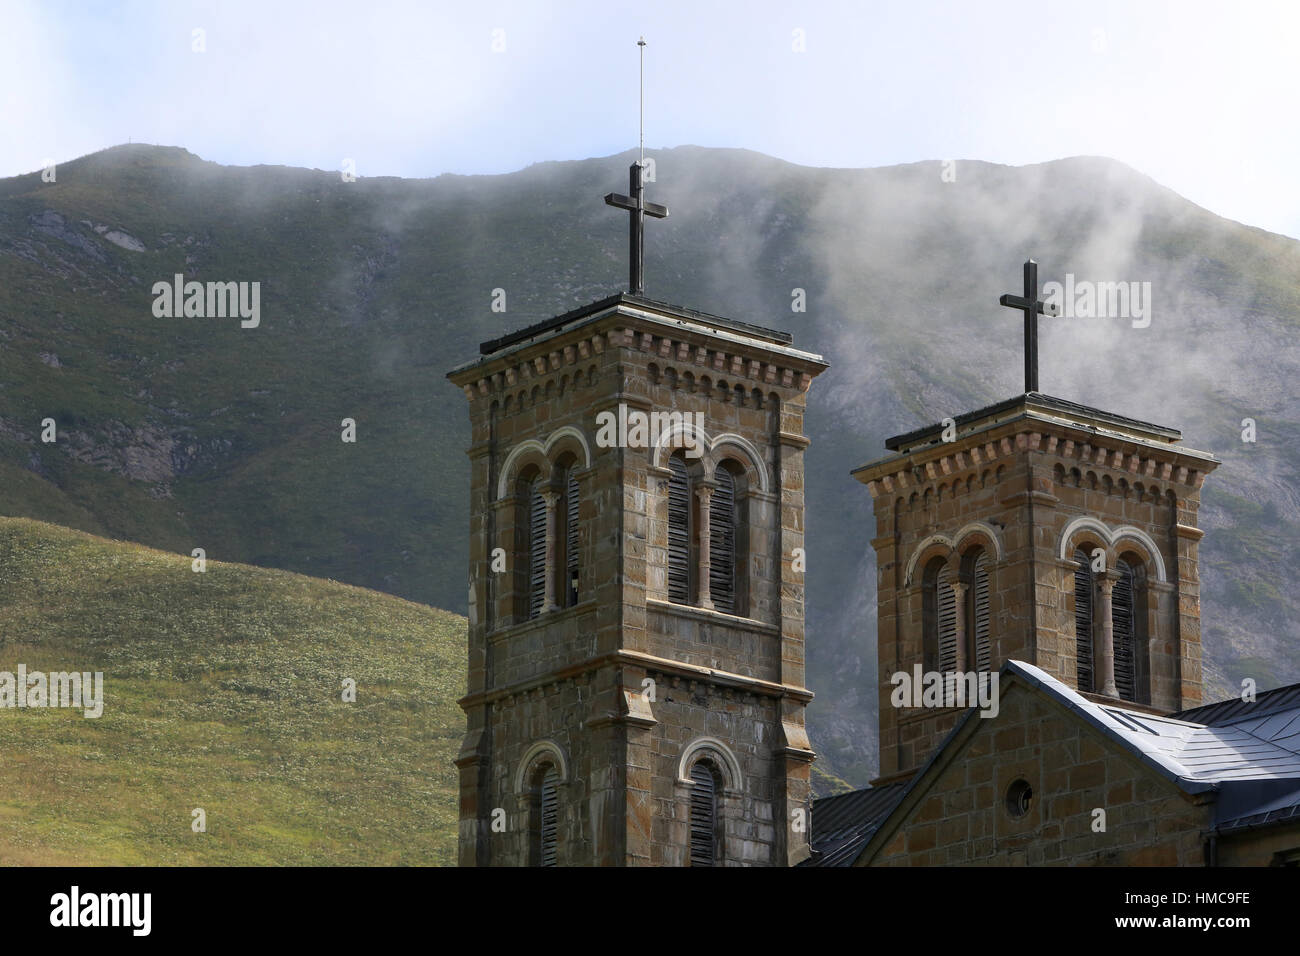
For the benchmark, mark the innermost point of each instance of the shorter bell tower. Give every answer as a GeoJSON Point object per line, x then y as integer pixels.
{"type": "Point", "coordinates": [1038, 530]}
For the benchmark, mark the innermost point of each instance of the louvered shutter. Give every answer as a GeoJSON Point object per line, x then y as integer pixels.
{"type": "Point", "coordinates": [980, 615]}
{"type": "Point", "coordinates": [722, 543]}
{"type": "Point", "coordinates": [1121, 615]}
{"type": "Point", "coordinates": [1083, 617]}
{"type": "Point", "coordinates": [549, 813]}
{"type": "Point", "coordinates": [946, 605]}
{"type": "Point", "coordinates": [679, 539]}
{"type": "Point", "coordinates": [703, 816]}
{"type": "Point", "coordinates": [571, 542]}
{"type": "Point", "coordinates": [536, 550]}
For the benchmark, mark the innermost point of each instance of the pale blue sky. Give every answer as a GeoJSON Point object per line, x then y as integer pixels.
{"type": "Point", "coordinates": [1200, 96]}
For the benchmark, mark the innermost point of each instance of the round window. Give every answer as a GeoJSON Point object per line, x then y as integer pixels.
{"type": "Point", "coordinates": [1019, 797]}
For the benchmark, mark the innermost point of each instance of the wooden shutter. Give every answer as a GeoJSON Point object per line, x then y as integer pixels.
{"type": "Point", "coordinates": [704, 816]}
{"type": "Point", "coordinates": [1121, 615]}
{"type": "Point", "coordinates": [980, 614]}
{"type": "Point", "coordinates": [679, 532]}
{"type": "Point", "coordinates": [549, 818]}
{"type": "Point", "coordinates": [536, 549]}
{"type": "Point", "coordinates": [722, 543]}
{"type": "Point", "coordinates": [1083, 617]}
{"type": "Point", "coordinates": [571, 542]}
{"type": "Point", "coordinates": [946, 604]}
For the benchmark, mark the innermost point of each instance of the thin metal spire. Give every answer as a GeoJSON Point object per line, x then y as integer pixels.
{"type": "Point", "coordinates": [641, 44]}
{"type": "Point", "coordinates": [635, 202]}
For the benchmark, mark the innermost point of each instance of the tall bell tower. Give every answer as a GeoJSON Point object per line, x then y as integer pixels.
{"type": "Point", "coordinates": [636, 617]}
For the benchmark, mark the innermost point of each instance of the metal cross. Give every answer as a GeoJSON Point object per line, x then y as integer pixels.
{"type": "Point", "coordinates": [1032, 307]}
{"type": "Point", "coordinates": [638, 209]}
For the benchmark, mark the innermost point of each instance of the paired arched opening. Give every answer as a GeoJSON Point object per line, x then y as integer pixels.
{"type": "Point", "coordinates": [1111, 605]}
{"type": "Point", "coordinates": [708, 533]}
{"type": "Point", "coordinates": [543, 486]}
{"type": "Point", "coordinates": [956, 611]}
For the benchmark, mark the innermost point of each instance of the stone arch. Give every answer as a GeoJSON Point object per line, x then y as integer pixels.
{"type": "Point", "coordinates": [538, 752]}
{"type": "Point", "coordinates": [1111, 537]}
{"type": "Point", "coordinates": [978, 534]}
{"type": "Point", "coordinates": [532, 451]}
{"type": "Point", "coordinates": [723, 759]}
{"type": "Point", "coordinates": [935, 546]}
{"type": "Point", "coordinates": [749, 456]}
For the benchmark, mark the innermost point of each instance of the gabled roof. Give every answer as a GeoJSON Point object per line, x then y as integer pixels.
{"type": "Point", "coordinates": [842, 824]}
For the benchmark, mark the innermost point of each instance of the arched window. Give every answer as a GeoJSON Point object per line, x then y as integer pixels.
{"type": "Point", "coordinates": [704, 844]}
{"type": "Point", "coordinates": [722, 542]}
{"type": "Point", "coordinates": [977, 614]}
{"type": "Point", "coordinates": [679, 531]}
{"type": "Point", "coordinates": [544, 827]}
{"type": "Point", "coordinates": [1083, 618]}
{"type": "Point", "coordinates": [536, 549]}
{"type": "Point", "coordinates": [939, 617]}
{"type": "Point", "coordinates": [1128, 603]}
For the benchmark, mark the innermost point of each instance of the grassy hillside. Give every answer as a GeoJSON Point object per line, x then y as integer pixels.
{"type": "Point", "coordinates": [184, 433]}
{"type": "Point", "coordinates": [222, 692]}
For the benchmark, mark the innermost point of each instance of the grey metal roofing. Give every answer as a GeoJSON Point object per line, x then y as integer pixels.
{"type": "Point", "coordinates": [842, 824]}
{"type": "Point", "coordinates": [1252, 809]}
{"type": "Point", "coordinates": [1035, 400]}
{"type": "Point", "coordinates": [626, 298]}
{"type": "Point", "coordinates": [1234, 708]}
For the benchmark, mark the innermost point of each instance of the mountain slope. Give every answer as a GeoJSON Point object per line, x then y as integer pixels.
{"type": "Point", "coordinates": [223, 691]}
{"type": "Point", "coordinates": [186, 433]}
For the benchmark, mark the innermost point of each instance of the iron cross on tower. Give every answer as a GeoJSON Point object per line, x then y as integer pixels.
{"type": "Point", "coordinates": [1032, 307]}
{"type": "Point", "coordinates": [636, 204]}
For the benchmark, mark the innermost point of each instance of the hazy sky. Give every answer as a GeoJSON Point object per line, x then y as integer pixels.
{"type": "Point", "coordinates": [1201, 96]}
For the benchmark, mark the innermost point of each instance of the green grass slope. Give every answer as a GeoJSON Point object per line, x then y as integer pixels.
{"type": "Point", "coordinates": [223, 691]}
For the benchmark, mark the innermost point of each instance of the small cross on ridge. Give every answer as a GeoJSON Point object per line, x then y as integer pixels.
{"type": "Point", "coordinates": [1032, 307]}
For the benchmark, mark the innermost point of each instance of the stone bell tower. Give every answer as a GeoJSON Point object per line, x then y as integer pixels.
{"type": "Point", "coordinates": [636, 619]}
{"type": "Point", "coordinates": [1038, 530]}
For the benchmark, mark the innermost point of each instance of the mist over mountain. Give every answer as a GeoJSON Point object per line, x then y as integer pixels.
{"type": "Point", "coordinates": [194, 432]}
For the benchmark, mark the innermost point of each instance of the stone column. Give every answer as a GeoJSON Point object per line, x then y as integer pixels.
{"type": "Point", "coordinates": [551, 498]}
{"type": "Point", "coordinates": [704, 494]}
{"type": "Point", "coordinates": [1108, 688]}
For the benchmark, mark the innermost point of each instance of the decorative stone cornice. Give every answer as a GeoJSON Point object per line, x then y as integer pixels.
{"type": "Point", "coordinates": [685, 343]}
{"type": "Point", "coordinates": [973, 454]}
